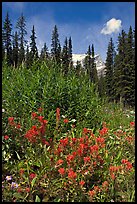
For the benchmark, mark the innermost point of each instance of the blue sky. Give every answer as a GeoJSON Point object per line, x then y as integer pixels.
{"type": "Point", "coordinates": [86, 22]}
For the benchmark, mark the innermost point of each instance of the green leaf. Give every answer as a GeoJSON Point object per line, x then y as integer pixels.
{"type": "Point", "coordinates": [33, 182]}
{"type": "Point", "coordinates": [37, 199]}
{"type": "Point", "coordinates": [18, 156]}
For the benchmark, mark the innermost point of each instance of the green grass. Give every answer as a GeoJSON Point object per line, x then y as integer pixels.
{"type": "Point", "coordinates": [43, 85]}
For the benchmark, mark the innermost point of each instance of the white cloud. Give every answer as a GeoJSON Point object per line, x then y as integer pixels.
{"type": "Point", "coordinates": [112, 26]}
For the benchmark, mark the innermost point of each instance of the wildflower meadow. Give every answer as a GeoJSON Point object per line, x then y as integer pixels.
{"type": "Point", "coordinates": [61, 143]}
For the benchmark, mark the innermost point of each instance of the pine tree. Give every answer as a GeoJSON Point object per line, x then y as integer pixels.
{"type": "Point", "coordinates": [130, 69]}
{"type": "Point", "coordinates": [3, 47]}
{"type": "Point", "coordinates": [44, 52]}
{"type": "Point", "coordinates": [21, 26]}
{"type": "Point", "coordinates": [87, 61]}
{"type": "Point", "coordinates": [70, 52]}
{"type": "Point", "coordinates": [55, 45]}
{"type": "Point", "coordinates": [78, 68]}
{"type": "Point", "coordinates": [109, 70]}
{"type": "Point", "coordinates": [15, 49]}
{"type": "Point", "coordinates": [7, 28]}
{"type": "Point", "coordinates": [65, 57]}
{"type": "Point", "coordinates": [33, 47]}
{"type": "Point", "coordinates": [124, 68]}
{"type": "Point", "coordinates": [93, 70]}
{"type": "Point", "coordinates": [28, 60]}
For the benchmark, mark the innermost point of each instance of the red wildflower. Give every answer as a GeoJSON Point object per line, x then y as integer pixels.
{"type": "Point", "coordinates": [94, 163]}
{"type": "Point", "coordinates": [96, 188]}
{"type": "Point", "coordinates": [132, 124]}
{"type": "Point", "coordinates": [81, 146]}
{"type": "Point", "coordinates": [66, 120]}
{"type": "Point", "coordinates": [33, 115]}
{"type": "Point", "coordinates": [113, 176]}
{"type": "Point", "coordinates": [127, 163]}
{"type": "Point", "coordinates": [103, 131]}
{"type": "Point", "coordinates": [81, 140]}
{"type": "Point", "coordinates": [40, 110]}
{"type": "Point", "coordinates": [45, 122]}
{"type": "Point", "coordinates": [18, 126]}
{"type": "Point", "coordinates": [31, 134]}
{"type": "Point", "coordinates": [19, 190]}
{"type": "Point", "coordinates": [124, 161]}
{"type": "Point", "coordinates": [92, 193]}
{"type": "Point", "coordinates": [40, 118]}
{"type": "Point", "coordinates": [45, 142]}
{"type": "Point", "coordinates": [105, 185]}
{"type": "Point", "coordinates": [27, 190]}
{"type": "Point", "coordinates": [59, 162]}
{"type": "Point", "coordinates": [100, 140]}
{"type": "Point", "coordinates": [74, 153]}
{"type": "Point", "coordinates": [70, 158]}
{"type": "Point", "coordinates": [129, 166]}
{"type": "Point", "coordinates": [94, 149]}
{"type": "Point", "coordinates": [42, 130]}
{"type": "Point", "coordinates": [85, 131]}
{"type": "Point", "coordinates": [6, 137]}
{"type": "Point", "coordinates": [86, 159]}
{"type": "Point", "coordinates": [64, 142]}
{"type": "Point", "coordinates": [114, 168]}
{"type": "Point", "coordinates": [21, 171]}
{"type": "Point", "coordinates": [32, 175]}
{"type": "Point", "coordinates": [82, 183]}
{"type": "Point", "coordinates": [10, 119]}
{"type": "Point", "coordinates": [58, 151]}
{"type": "Point", "coordinates": [71, 174]}
{"type": "Point", "coordinates": [80, 152]}
{"type": "Point", "coordinates": [74, 140]}
{"type": "Point", "coordinates": [61, 171]}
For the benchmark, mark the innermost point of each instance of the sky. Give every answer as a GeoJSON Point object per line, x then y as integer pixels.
{"type": "Point", "coordinates": [86, 22]}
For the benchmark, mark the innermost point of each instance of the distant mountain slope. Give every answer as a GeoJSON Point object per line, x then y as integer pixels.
{"type": "Point", "coordinates": [100, 65]}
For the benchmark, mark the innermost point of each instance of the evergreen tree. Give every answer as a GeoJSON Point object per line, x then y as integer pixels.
{"type": "Point", "coordinates": [28, 60]}
{"type": "Point", "coordinates": [70, 52]}
{"type": "Point", "coordinates": [65, 57]}
{"type": "Point", "coordinates": [122, 71]}
{"type": "Point", "coordinates": [109, 70]}
{"type": "Point", "coordinates": [21, 26]}
{"type": "Point", "coordinates": [15, 49]}
{"type": "Point", "coordinates": [7, 28]}
{"type": "Point", "coordinates": [119, 67]}
{"type": "Point", "coordinates": [55, 45]}
{"type": "Point", "coordinates": [130, 69]}
{"type": "Point", "coordinates": [3, 47]}
{"type": "Point", "coordinates": [87, 61]}
{"type": "Point", "coordinates": [93, 70]}
{"type": "Point", "coordinates": [78, 68]}
{"type": "Point", "coordinates": [33, 47]}
{"type": "Point", "coordinates": [44, 52]}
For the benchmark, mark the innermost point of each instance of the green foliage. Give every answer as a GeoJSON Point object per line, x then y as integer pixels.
{"type": "Point", "coordinates": [44, 85]}
{"type": "Point", "coordinates": [73, 167]}
{"type": "Point", "coordinates": [34, 50]}
{"type": "Point", "coordinates": [21, 26]}
{"type": "Point", "coordinates": [6, 34]}
{"type": "Point", "coordinates": [55, 45]}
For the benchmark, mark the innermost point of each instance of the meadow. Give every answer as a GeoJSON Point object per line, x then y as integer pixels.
{"type": "Point", "coordinates": [61, 141]}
